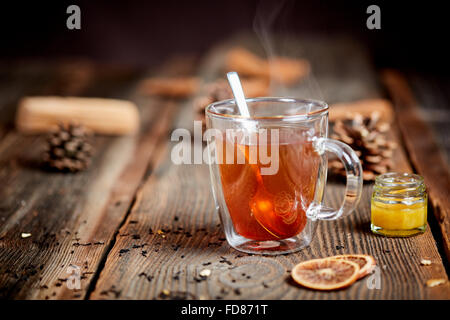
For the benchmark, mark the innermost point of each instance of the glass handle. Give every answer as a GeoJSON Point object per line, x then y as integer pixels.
{"type": "Point", "coordinates": [354, 178]}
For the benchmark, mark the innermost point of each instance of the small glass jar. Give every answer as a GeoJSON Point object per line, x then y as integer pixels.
{"type": "Point", "coordinates": [399, 205]}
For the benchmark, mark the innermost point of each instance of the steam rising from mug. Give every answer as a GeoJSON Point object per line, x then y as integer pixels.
{"type": "Point", "coordinates": [271, 26]}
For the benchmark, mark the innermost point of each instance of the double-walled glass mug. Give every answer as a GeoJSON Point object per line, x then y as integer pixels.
{"type": "Point", "coordinates": [268, 172]}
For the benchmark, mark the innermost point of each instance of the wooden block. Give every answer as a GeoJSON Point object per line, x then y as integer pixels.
{"type": "Point", "coordinates": [181, 87]}
{"type": "Point", "coordinates": [104, 116]}
{"type": "Point", "coordinates": [283, 70]}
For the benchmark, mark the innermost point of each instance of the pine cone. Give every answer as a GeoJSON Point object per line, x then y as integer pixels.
{"type": "Point", "coordinates": [367, 137]}
{"type": "Point", "coordinates": [68, 148]}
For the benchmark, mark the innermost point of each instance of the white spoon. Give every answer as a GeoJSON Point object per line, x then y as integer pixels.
{"type": "Point", "coordinates": [238, 93]}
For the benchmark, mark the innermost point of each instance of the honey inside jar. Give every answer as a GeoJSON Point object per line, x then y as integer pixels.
{"type": "Point", "coordinates": [399, 205]}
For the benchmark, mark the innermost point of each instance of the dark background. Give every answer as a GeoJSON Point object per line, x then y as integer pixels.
{"type": "Point", "coordinates": [414, 35]}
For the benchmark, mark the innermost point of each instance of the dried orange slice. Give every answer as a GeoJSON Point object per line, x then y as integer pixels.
{"type": "Point", "coordinates": [326, 274]}
{"type": "Point", "coordinates": [365, 262]}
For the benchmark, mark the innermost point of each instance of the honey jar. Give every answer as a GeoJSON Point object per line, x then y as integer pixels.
{"type": "Point", "coordinates": [399, 205]}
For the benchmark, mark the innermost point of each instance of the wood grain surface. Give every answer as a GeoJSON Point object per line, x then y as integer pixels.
{"type": "Point", "coordinates": [172, 232]}
{"type": "Point", "coordinates": [140, 227]}
{"type": "Point", "coordinates": [72, 218]}
{"type": "Point", "coordinates": [424, 152]}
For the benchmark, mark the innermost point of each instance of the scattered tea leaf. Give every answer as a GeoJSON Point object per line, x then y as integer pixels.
{"type": "Point", "coordinates": [425, 262]}
{"type": "Point", "coordinates": [435, 282]}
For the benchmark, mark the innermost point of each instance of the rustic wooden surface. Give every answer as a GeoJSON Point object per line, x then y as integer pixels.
{"type": "Point", "coordinates": [106, 220]}
{"type": "Point", "coordinates": [66, 213]}
{"type": "Point", "coordinates": [431, 96]}
{"type": "Point", "coordinates": [425, 154]}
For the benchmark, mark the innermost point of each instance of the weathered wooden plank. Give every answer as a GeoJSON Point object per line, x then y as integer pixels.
{"type": "Point", "coordinates": [424, 151]}
{"type": "Point", "coordinates": [172, 231]}
{"type": "Point", "coordinates": [432, 95]}
{"type": "Point", "coordinates": [72, 218]}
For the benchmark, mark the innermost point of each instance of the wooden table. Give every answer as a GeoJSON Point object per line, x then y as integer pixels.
{"type": "Point", "coordinates": [105, 221]}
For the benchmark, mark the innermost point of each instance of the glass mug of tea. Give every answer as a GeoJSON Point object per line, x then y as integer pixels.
{"type": "Point", "coordinates": [268, 172]}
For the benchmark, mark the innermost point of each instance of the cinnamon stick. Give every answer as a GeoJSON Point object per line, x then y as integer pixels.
{"type": "Point", "coordinates": [104, 116]}
{"type": "Point", "coordinates": [283, 70]}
